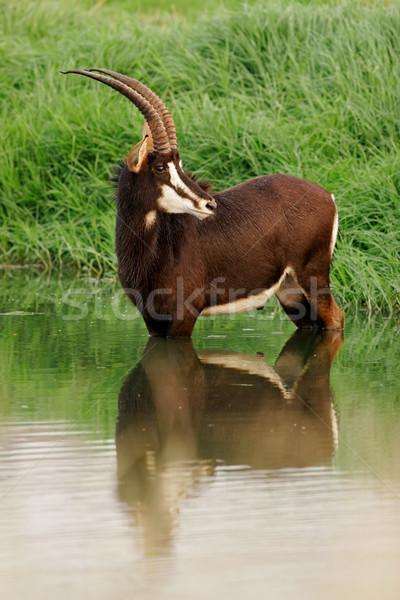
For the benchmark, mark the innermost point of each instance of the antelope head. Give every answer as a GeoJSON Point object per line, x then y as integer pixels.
{"type": "Point", "coordinates": [153, 166]}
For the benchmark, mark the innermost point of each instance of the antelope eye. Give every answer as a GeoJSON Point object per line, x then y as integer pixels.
{"type": "Point", "coordinates": [160, 168]}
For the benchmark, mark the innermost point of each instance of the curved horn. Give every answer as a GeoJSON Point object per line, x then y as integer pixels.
{"type": "Point", "coordinates": [152, 98]}
{"type": "Point", "coordinates": [158, 132]}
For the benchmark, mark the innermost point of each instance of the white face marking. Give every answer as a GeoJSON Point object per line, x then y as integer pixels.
{"type": "Point", "coordinates": [179, 184]}
{"type": "Point", "coordinates": [245, 304]}
{"type": "Point", "coordinates": [334, 233]}
{"type": "Point", "coordinates": [150, 218]}
{"type": "Point", "coordinates": [171, 202]}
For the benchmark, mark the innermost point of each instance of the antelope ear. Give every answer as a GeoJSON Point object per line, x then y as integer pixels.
{"type": "Point", "coordinates": [138, 155]}
{"type": "Point", "coordinates": [147, 133]}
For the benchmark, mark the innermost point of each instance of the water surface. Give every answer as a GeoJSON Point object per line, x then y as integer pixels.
{"type": "Point", "coordinates": [251, 462]}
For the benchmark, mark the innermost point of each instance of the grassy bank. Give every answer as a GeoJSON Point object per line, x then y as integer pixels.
{"type": "Point", "coordinates": [307, 88]}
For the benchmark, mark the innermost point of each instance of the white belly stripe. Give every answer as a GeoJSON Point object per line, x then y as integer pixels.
{"type": "Point", "coordinates": [244, 304]}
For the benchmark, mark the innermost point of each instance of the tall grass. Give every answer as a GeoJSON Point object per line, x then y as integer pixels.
{"type": "Point", "coordinates": [307, 88]}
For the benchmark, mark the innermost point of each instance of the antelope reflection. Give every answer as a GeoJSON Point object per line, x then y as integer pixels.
{"type": "Point", "coordinates": [182, 413]}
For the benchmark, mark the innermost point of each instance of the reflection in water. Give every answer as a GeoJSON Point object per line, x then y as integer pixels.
{"type": "Point", "coordinates": [183, 413]}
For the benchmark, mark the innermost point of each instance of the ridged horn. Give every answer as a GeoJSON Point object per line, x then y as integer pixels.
{"type": "Point", "coordinates": [152, 98]}
{"type": "Point", "coordinates": [158, 131]}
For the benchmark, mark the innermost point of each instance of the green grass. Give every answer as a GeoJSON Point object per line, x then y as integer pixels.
{"type": "Point", "coordinates": [307, 88]}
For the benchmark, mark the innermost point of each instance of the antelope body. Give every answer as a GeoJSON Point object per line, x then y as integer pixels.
{"type": "Point", "coordinates": [184, 250]}
{"type": "Point", "coordinates": [182, 414]}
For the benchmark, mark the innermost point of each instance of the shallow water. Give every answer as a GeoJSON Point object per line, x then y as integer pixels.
{"type": "Point", "coordinates": [253, 462]}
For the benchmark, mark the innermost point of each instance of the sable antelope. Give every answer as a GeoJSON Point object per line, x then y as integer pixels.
{"type": "Point", "coordinates": [181, 413]}
{"type": "Point", "coordinates": [184, 250]}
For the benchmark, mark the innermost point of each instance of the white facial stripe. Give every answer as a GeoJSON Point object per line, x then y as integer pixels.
{"type": "Point", "coordinates": [179, 184]}
{"type": "Point", "coordinates": [171, 202]}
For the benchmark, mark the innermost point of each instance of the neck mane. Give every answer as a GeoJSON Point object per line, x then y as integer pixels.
{"type": "Point", "coordinates": [149, 244]}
